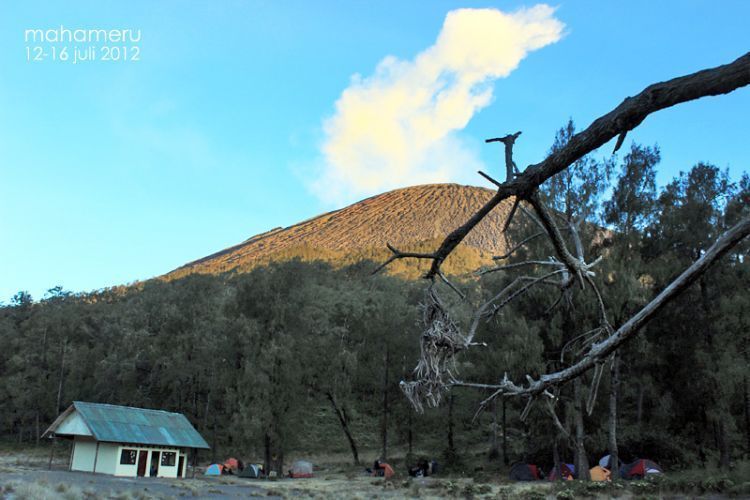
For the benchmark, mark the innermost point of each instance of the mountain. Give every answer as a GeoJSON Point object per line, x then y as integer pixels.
{"type": "Point", "coordinates": [415, 218]}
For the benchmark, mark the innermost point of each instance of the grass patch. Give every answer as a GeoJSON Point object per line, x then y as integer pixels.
{"type": "Point", "coordinates": [735, 483]}
{"type": "Point", "coordinates": [41, 490]}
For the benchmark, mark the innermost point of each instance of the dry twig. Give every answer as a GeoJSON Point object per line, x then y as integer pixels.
{"type": "Point", "coordinates": [442, 339]}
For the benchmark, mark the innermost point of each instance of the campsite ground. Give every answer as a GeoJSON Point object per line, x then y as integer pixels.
{"type": "Point", "coordinates": [25, 475]}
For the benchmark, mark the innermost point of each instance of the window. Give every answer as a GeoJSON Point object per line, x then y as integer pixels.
{"type": "Point", "coordinates": [168, 458]}
{"type": "Point", "coordinates": [127, 457]}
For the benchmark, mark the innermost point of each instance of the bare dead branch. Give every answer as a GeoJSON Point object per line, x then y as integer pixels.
{"type": "Point", "coordinates": [442, 339]}
{"type": "Point", "coordinates": [545, 218]}
{"type": "Point", "coordinates": [533, 218]}
{"type": "Point", "coordinates": [599, 300]}
{"type": "Point", "coordinates": [625, 117]}
{"type": "Point", "coordinates": [496, 183]}
{"type": "Point", "coordinates": [518, 246]}
{"type": "Point", "coordinates": [527, 409]}
{"type": "Point", "coordinates": [573, 227]}
{"type": "Point", "coordinates": [510, 165]}
{"type": "Point", "coordinates": [483, 310]}
{"type": "Point", "coordinates": [600, 351]}
{"type": "Point", "coordinates": [397, 254]}
{"type": "Point", "coordinates": [584, 339]}
{"type": "Point", "coordinates": [483, 405]}
{"type": "Point", "coordinates": [551, 410]}
{"type": "Point", "coordinates": [473, 385]}
{"type": "Point", "coordinates": [555, 303]}
{"type": "Point", "coordinates": [576, 265]}
{"type": "Point", "coordinates": [451, 285]}
{"type": "Point", "coordinates": [524, 289]}
{"type": "Point", "coordinates": [620, 141]}
{"type": "Point", "coordinates": [511, 214]}
{"type": "Point", "coordinates": [598, 370]}
{"type": "Point", "coordinates": [525, 263]}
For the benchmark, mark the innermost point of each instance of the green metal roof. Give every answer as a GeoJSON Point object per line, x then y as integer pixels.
{"type": "Point", "coordinates": [123, 424]}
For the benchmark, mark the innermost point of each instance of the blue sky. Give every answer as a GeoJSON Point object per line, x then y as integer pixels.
{"type": "Point", "coordinates": [112, 172]}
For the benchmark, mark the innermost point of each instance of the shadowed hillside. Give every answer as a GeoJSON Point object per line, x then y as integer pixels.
{"type": "Point", "coordinates": [415, 218]}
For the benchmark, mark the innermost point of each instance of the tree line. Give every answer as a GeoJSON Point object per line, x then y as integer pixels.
{"type": "Point", "coordinates": [303, 356]}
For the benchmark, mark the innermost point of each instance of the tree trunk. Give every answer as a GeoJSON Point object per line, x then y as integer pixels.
{"type": "Point", "coordinates": [614, 391]}
{"type": "Point", "coordinates": [411, 432]}
{"type": "Point", "coordinates": [213, 441]}
{"type": "Point", "coordinates": [61, 377]}
{"type": "Point", "coordinates": [581, 460]}
{"type": "Point", "coordinates": [451, 452]}
{"type": "Point", "coordinates": [639, 407]}
{"type": "Point", "coordinates": [267, 452]}
{"type": "Point", "coordinates": [747, 413]}
{"type": "Point", "coordinates": [724, 452]}
{"type": "Point", "coordinates": [720, 428]}
{"type": "Point", "coordinates": [526, 441]}
{"type": "Point", "coordinates": [344, 421]}
{"type": "Point", "coordinates": [36, 427]}
{"type": "Point", "coordinates": [506, 458]}
{"type": "Point", "coordinates": [556, 457]}
{"type": "Point", "coordinates": [494, 450]}
{"type": "Point", "coordinates": [195, 397]}
{"type": "Point", "coordinates": [206, 408]}
{"type": "Point", "coordinates": [44, 348]}
{"type": "Point", "coordinates": [45, 369]}
{"type": "Point", "coordinates": [279, 462]}
{"type": "Point", "coordinates": [384, 426]}
{"type": "Point", "coordinates": [51, 453]}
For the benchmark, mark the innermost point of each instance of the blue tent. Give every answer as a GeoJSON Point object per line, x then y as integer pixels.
{"type": "Point", "coordinates": [567, 470]}
{"type": "Point", "coordinates": [253, 471]}
{"type": "Point", "coordinates": [606, 460]}
{"type": "Point", "coordinates": [214, 470]}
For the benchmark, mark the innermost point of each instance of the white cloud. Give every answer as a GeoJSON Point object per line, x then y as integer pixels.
{"type": "Point", "coordinates": [400, 126]}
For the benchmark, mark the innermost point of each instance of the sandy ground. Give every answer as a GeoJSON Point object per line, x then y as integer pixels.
{"type": "Point", "coordinates": [25, 476]}
{"type": "Point", "coordinates": [66, 484]}
{"type": "Point", "coordinates": [40, 484]}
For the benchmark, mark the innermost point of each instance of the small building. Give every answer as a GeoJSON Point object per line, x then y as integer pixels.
{"type": "Point", "coordinates": [125, 441]}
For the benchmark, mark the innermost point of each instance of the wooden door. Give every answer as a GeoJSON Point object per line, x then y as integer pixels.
{"type": "Point", "coordinates": [180, 465]}
{"type": "Point", "coordinates": [155, 455]}
{"type": "Point", "coordinates": [142, 459]}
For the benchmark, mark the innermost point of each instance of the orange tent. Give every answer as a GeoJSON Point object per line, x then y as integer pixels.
{"type": "Point", "coordinates": [231, 464]}
{"type": "Point", "coordinates": [599, 473]}
{"type": "Point", "coordinates": [387, 470]}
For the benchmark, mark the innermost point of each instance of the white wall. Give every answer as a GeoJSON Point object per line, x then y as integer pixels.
{"type": "Point", "coordinates": [132, 470]}
{"type": "Point", "coordinates": [164, 470]}
{"type": "Point", "coordinates": [83, 455]}
{"type": "Point", "coordinates": [73, 425]}
{"type": "Point", "coordinates": [108, 459]}
{"type": "Point", "coordinates": [126, 469]}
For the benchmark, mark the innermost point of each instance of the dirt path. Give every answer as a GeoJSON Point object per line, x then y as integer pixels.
{"type": "Point", "coordinates": [38, 484]}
